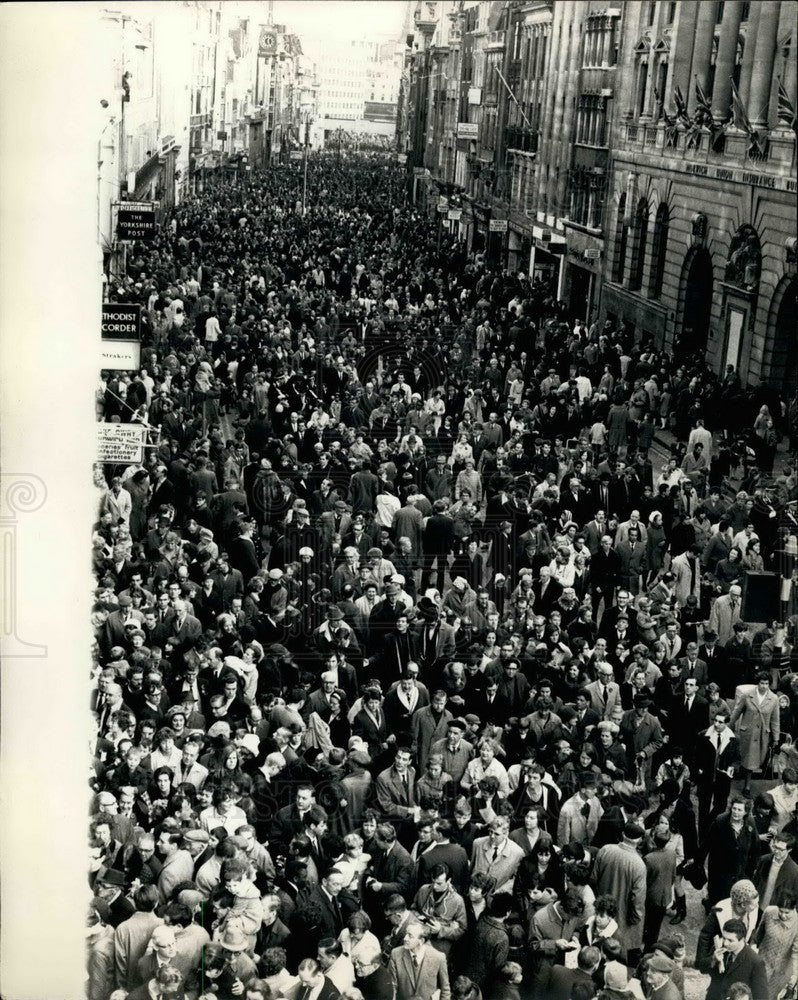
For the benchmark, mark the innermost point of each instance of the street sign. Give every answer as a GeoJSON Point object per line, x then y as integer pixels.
{"type": "Point", "coordinates": [120, 444]}
{"type": "Point", "coordinates": [135, 220]}
{"type": "Point", "coordinates": [498, 225]}
{"type": "Point", "coordinates": [592, 253]}
{"type": "Point", "coordinates": [120, 336]}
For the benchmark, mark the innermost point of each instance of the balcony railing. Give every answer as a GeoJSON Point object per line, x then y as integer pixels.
{"type": "Point", "coordinates": [523, 139]}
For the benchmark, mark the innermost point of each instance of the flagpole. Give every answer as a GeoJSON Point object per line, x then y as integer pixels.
{"type": "Point", "coordinates": [515, 99]}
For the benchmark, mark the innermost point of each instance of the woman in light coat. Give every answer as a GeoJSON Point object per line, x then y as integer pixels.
{"type": "Point", "coordinates": [756, 722]}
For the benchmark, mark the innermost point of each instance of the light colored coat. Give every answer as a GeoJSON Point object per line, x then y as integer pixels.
{"type": "Point", "coordinates": [757, 727]}
{"type": "Point", "coordinates": [621, 873]}
{"type": "Point", "coordinates": [431, 979]}
{"type": "Point", "coordinates": [505, 866]}
{"type": "Point", "coordinates": [723, 617]}
{"type": "Point", "coordinates": [680, 567]}
{"type": "Point", "coordinates": [131, 938]}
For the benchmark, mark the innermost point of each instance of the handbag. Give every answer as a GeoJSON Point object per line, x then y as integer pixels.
{"type": "Point", "coordinates": [695, 874]}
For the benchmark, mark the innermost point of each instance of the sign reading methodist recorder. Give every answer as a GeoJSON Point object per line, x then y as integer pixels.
{"type": "Point", "coordinates": [121, 444]}
{"type": "Point", "coordinates": [135, 220]}
{"type": "Point", "coordinates": [121, 336]}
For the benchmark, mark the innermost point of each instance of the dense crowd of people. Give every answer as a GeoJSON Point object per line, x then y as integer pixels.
{"type": "Point", "coordinates": [416, 675]}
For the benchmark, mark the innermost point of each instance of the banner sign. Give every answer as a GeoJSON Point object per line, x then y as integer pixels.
{"type": "Point", "coordinates": [135, 220]}
{"type": "Point", "coordinates": [121, 444]}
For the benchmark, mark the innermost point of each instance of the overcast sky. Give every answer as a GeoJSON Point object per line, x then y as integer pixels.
{"type": "Point", "coordinates": [317, 20]}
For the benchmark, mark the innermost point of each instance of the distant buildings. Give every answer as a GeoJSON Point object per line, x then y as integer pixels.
{"type": "Point", "coordinates": [572, 141]}
{"type": "Point", "coordinates": [192, 88]}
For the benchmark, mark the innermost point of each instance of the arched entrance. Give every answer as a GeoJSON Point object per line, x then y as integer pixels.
{"type": "Point", "coordinates": [693, 330]}
{"type": "Point", "coordinates": [783, 372]}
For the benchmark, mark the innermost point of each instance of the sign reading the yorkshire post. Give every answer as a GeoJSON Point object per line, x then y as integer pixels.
{"type": "Point", "coordinates": [121, 444]}
{"type": "Point", "coordinates": [135, 220]}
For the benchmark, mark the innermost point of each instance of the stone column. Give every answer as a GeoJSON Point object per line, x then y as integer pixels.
{"type": "Point", "coordinates": [681, 52]}
{"type": "Point", "coordinates": [747, 69]}
{"type": "Point", "coordinates": [724, 64]}
{"type": "Point", "coordinates": [702, 51]}
{"type": "Point", "coordinates": [762, 75]}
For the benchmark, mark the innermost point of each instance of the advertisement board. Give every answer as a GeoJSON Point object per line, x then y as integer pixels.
{"type": "Point", "coordinates": [120, 444]}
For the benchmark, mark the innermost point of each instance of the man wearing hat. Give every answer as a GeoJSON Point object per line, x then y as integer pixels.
{"type": "Point", "coordinates": [382, 620]}
{"type": "Point", "coordinates": [621, 873]}
{"type": "Point", "coordinates": [435, 638]}
{"type": "Point", "coordinates": [326, 637]}
{"type": "Point", "coordinates": [109, 888]}
{"type": "Point", "coordinates": [641, 733]}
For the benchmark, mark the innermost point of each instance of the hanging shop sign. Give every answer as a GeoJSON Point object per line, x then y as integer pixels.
{"type": "Point", "coordinates": [120, 336]}
{"type": "Point", "coordinates": [135, 220]}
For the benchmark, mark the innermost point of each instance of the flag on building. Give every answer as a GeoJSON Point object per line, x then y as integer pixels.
{"type": "Point", "coordinates": [701, 98]}
{"type": "Point", "coordinates": [785, 112]}
{"type": "Point", "coordinates": [740, 118]}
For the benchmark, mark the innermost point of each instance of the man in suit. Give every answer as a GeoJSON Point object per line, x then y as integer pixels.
{"type": "Point", "coordinates": [690, 718]}
{"type": "Point", "coordinates": [634, 561]}
{"type": "Point", "coordinates": [604, 693]}
{"type": "Point", "coordinates": [186, 629]}
{"type": "Point", "coordinates": [438, 541]}
{"type": "Point", "coordinates": [717, 758]}
{"type": "Point", "coordinates": [586, 716]}
{"type": "Point", "coordinates": [610, 618]}
{"type": "Point", "coordinates": [434, 638]}
{"type": "Point", "coordinates": [427, 725]}
{"type": "Point", "coordinates": [496, 855]}
{"type": "Point", "coordinates": [313, 984]}
{"type": "Point", "coordinates": [562, 980]}
{"type": "Point", "coordinates": [178, 864]}
{"type": "Point", "coordinates": [547, 592]}
{"type": "Point", "coordinates": [691, 666]}
{"type": "Point", "coordinates": [335, 907]}
{"type": "Point", "coordinates": [777, 874]}
{"type": "Point", "coordinates": [417, 969]}
{"type": "Point", "coordinates": [734, 962]}
{"type": "Point", "coordinates": [715, 656]}
{"type": "Point", "coordinates": [391, 869]}
{"type": "Point", "coordinates": [395, 787]}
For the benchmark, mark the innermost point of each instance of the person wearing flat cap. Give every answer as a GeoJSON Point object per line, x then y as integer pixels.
{"type": "Point", "coordinates": [659, 969]}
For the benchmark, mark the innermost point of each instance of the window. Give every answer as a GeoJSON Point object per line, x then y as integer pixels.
{"type": "Point", "coordinates": [642, 83]}
{"type": "Point", "coordinates": [659, 250]}
{"type": "Point", "coordinates": [639, 245]}
{"type": "Point", "coordinates": [652, 14]}
{"type": "Point", "coordinates": [621, 238]}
